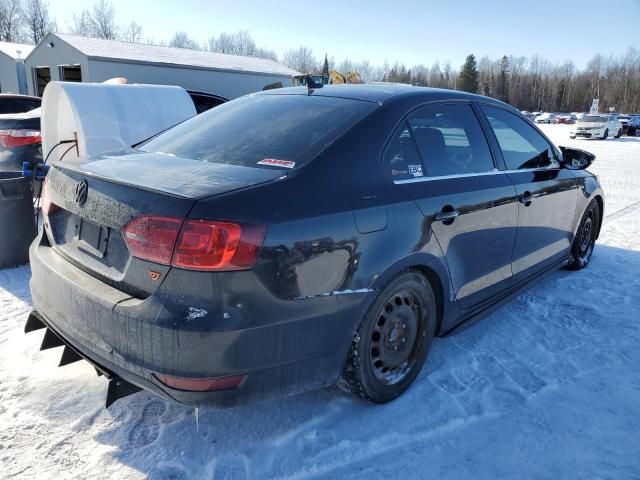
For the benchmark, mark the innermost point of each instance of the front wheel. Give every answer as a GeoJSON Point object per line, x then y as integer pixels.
{"type": "Point", "coordinates": [605, 134]}
{"type": "Point", "coordinates": [572, 137]}
{"type": "Point", "coordinates": [619, 134]}
{"type": "Point", "coordinates": [631, 132]}
{"type": "Point", "coordinates": [585, 239]}
{"type": "Point", "coordinates": [392, 340]}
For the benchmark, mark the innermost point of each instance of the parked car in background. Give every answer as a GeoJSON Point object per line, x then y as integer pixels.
{"type": "Point", "coordinates": [545, 118]}
{"type": "Point", "coordinates": [566, 118]}
{"type": "Point", "coordinates": [232, 276]}
{"type": "Point", "coordinates": [10, 103]}
{"type": "Point", "coordinates": [630, 124]}
{"type": "Point", "coordinates": [20, 140]}
{"type": "Point", "coordinates": [528, 114]}
{"type": "Point", "coordinates": [580, 115]}
{"type": "Point", "coordinates": [599, 125]}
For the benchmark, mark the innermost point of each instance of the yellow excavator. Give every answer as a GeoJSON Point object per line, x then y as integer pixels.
{"type": "Point", "coordinates": [334, 78]}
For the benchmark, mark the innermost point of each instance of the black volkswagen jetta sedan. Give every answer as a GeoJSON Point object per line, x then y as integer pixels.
{"type": "Point", "coordinates": [299, 238]}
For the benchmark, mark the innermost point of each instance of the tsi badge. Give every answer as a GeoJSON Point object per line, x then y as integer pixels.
{"type": "Point", "coordinates": [416, 170]}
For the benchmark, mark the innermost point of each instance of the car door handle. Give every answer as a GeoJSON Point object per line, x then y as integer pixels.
{"type": "Point", "coordinates": [447, 216]}
{"type": "Point", "coordinates": [526, 198]}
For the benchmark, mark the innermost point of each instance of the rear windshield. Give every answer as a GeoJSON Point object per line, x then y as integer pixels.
{"type": "Point", "coordinates": [265, 131]}
{"type": "Point", "coordinates": [595, 119]}
{"type": "Point", "coordinates": [18, 104]}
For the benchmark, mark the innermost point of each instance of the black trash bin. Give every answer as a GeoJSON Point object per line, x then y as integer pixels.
{"type": "Point", "coordinates": [17, 221]}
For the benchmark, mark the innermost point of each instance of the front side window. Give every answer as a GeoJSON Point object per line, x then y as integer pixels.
{"type": "Point", "coordinates": [450, 140]}
{"type": "Point", "coordinates": [522, 146]}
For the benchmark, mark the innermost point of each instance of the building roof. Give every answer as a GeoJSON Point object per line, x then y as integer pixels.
{"type": "Point", "coordinates": [11, 49]}
{"type": "Point", "coordinates": [142, 53]}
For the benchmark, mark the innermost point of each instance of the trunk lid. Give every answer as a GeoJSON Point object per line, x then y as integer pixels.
{"type": "Point", "coordinates": [88, 231]}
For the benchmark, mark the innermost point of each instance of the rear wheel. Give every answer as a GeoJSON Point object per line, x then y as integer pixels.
{"type": "Point", "coordinates": [392, 340]}
{"type": "Point", "coordinates": [619, 134]}
{"type": "Point", "coordinates": [585, 239]}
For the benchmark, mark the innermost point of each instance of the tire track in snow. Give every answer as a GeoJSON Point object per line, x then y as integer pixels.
{"type": "Point", "coordinates": [621, 213]}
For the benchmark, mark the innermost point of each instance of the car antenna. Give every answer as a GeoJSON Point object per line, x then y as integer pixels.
{"type": "Point", "coordinates": [312, 84]}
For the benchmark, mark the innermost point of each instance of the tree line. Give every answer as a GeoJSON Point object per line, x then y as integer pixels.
{"type": "Point", "coordinates": [526, 83]}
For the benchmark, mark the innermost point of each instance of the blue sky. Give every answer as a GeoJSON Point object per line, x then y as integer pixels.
{"type": "Point", "coordinates": [410, 31]}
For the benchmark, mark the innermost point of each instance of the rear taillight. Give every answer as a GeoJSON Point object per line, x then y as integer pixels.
{"type": "Point", "coordinates": [194, 244]}
{"type": "Point", "coordinates": [152, 238]}
{"type": "Point", "coordinates": [19, 138]}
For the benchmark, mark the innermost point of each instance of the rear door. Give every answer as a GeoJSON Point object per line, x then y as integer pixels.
{"type": "Point", "coordinates": [440, 157]}
{"type": "Point", "coordinates": [547, 194]}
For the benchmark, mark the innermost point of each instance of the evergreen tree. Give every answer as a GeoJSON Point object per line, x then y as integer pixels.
{"type": "Point", "coordinates": [468, 80]}
{"type": "Point", "coordinates": [502, 85]}
{"type": "Point", "coordinates": [325, 67]}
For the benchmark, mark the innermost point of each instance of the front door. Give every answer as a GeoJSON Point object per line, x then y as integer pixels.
{"type": "Point", "coordinates": [547, 194]}
{"type": "Point", "coordinates": [467, 203]}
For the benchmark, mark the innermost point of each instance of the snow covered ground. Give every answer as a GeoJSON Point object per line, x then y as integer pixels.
{"type": "Point", "coordinates": [547, 387]}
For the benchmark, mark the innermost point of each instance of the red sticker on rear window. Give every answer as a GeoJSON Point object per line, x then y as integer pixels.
{"type": "Point", "coordinates": [277, 163]}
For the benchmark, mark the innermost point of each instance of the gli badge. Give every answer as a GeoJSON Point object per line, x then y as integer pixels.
{"type": "Point", "coordinates": [82, 189]}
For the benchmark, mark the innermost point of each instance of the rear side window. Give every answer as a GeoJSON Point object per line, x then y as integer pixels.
{"type": "Point", "coordinates": [522, 146]}
{"type": "Point", "coordinates": [265, 131]}
{"type": "Point", "coordinates": [401, 157]}
{"type": "Point", "coordinates": [450, 140]}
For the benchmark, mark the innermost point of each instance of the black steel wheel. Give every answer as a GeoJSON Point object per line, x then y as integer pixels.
{"type": "Point", "coordinates": [585, 239]}
{"type": "Point", "coordinates": [392, 341]}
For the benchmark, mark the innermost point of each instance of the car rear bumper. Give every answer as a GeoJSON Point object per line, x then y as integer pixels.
{"type": "Point", "coordinates": [135, 338]}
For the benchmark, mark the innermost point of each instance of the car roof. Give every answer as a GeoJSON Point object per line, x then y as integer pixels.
{"type": "Point", "coordinates": [379, 93]}
{"type": "Point", "coordinates": [17, 95]}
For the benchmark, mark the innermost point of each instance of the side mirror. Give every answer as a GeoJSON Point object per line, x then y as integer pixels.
{"type": "Point", "coordinates": [574, 159]}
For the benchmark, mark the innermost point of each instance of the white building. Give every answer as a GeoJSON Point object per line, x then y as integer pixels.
{"type": "Point", "coordinates": [73, 58]}
{"type": "Point", "coordinates": [12, 70]}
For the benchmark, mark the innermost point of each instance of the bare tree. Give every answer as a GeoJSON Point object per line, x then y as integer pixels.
{"type": "Point", "coordinates": [182, 40]}
{"type": "Point", "coordinates": [10, 21]}
{"type": "Point", "coordinates": [37, 19]}
{"type": "Point", "coordinates": [264, 53]}
{"type": "Point", "coordinates": [132, 33]}
{"type": "Point", "coordinates": [301, 59]}
{"type": "Point", "coordinates": [103, 20]}
{"type": "Point", "coordinates": [81, 24]}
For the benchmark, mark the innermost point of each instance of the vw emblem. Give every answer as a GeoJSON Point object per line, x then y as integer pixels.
{"type": "Point", "coordinates": [82, 189]}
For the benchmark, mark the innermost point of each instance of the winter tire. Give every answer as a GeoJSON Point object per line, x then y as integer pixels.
{"type": "Point", "coordinates": [585, 239]}
{"type": "Point", "coordinates": [619, 134]}
{"type": "Point", "coordinates": [605, 135]}
{"type": "Point", "coordinates": [572, 137]}
{"type": "Point", "coordinates": [392, 340]}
